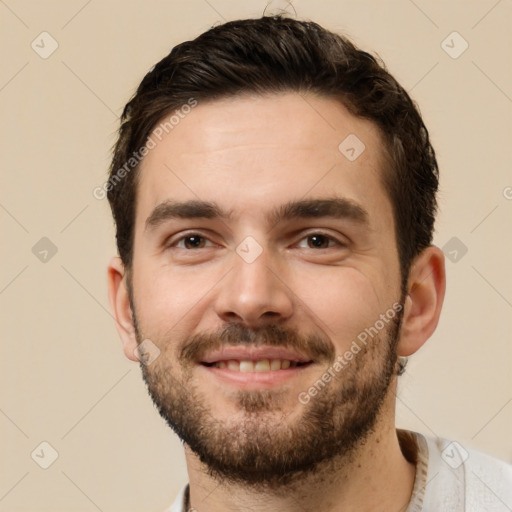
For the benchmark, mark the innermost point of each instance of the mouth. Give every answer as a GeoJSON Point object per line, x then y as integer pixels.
{"type": "Point", "coordinates": [255, 367]}
{"type": "Point", "coordinates": [260, 365]}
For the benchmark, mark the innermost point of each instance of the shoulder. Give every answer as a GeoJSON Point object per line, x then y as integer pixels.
{"type": "Point", "coordinates": [471, 478]}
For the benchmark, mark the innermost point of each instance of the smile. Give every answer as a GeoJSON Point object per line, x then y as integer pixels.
{"type": "Point", "coordinates": [261, 365]}
{"type": "Point", "coordinates": [254, 367]}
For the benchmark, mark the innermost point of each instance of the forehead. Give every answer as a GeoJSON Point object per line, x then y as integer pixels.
{"type": "Point", "coordinates": [255, 153]}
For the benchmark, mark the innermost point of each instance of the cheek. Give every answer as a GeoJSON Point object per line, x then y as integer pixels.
{"type": "Point", "coordinates": [169, 303]}
{"type": "Point", "coordinates": [174, 303]}
{"type": "Point", "coordinates": [343, 302]}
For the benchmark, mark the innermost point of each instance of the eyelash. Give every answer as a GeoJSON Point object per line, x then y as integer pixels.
{"type": "Point", "coordinates": [193, 234]}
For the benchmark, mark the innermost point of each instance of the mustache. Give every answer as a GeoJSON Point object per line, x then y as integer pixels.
{"type": "Point", "coordinates": [315, 346]}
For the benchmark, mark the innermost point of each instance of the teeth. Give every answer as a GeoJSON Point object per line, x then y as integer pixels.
{"type": "Point", "coordinates": [262, 365]}
{"type": "Point", "coordinates": [246, 366]}
{"type": "Point", "coordinates": [275, 364]}
{"type": "Point", "coordinates": [234, 365]}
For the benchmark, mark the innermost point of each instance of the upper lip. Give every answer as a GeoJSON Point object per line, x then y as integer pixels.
{"type": "Point", "coordinates": [242, 353]}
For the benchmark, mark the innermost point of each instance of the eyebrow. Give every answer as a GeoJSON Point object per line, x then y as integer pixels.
{"type": "Point", "coordinates": [336, 208]}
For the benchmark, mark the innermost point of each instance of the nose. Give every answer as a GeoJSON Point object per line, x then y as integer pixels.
{"type": "Point", "coordinates": [254, 294]}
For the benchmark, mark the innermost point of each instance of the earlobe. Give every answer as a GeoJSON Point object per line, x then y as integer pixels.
{"type": "Point", "coordinates": [120, 304]}
{"type": "Point", "coordinates": [424, 301]}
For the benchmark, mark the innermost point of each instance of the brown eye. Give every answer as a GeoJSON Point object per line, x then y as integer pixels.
{"type": "Point", "coordinates": [190, 242]}
{"type": "Point", "coordinates": [194, 242]}
{"type": "Point", "coordinates": [318, 241]}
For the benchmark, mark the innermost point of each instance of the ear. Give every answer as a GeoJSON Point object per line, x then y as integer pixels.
{"type": "Point", "coordinates": [426, 288]}
{"type": "Point", "coordinates": [120, 305]}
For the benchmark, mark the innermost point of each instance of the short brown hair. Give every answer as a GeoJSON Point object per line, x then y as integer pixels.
{"type": "Point", "coordinates": [278, 54]}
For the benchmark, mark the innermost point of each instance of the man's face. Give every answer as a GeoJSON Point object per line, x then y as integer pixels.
{"type": "Point", "coordinates": [254, 296]}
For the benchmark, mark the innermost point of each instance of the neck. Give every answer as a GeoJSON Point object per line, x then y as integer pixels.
{"type": "Point", "coordinates": [376, 476]}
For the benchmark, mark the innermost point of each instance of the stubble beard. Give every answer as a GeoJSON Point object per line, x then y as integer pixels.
{"type": "Point", "coordinates": [266, 447]}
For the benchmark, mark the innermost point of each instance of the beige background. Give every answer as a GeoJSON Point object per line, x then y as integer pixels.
{"type": "Point", "coordinates": [64, 379]}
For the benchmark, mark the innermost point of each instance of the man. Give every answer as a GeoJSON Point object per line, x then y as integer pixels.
{"type": "Point", "coordinates": [273, 189]}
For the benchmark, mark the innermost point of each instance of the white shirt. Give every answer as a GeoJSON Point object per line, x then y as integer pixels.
{"type": "Point", "coordinates": [449, 478]}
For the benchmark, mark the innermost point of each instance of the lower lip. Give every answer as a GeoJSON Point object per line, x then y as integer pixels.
{"type": "Point", "coordinates": [255, 379]}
